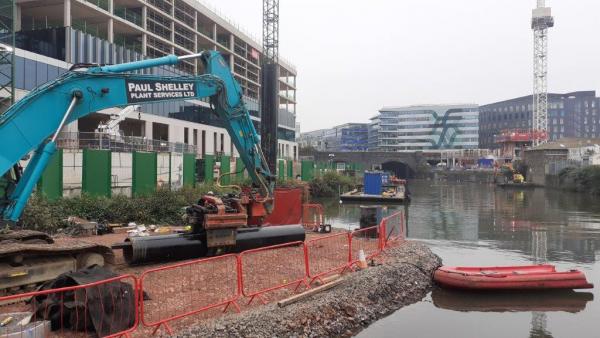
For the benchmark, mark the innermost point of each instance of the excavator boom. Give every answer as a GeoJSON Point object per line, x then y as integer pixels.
{"type": "Point", "coordinates": [33, 123]}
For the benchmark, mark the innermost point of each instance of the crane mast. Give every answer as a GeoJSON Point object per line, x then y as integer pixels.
{"type": "Point", "coordinates": [540, 22]}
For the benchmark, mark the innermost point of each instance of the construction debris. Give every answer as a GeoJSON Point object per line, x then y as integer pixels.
{"type": "Point", "coordinates": [309, 292]}
{"type": "Point", "coordinates": [79, 227]}
{"type": "Point", "coordinates": [360, 300]}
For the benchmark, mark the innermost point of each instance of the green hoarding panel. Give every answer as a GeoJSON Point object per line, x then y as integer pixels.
{"type": "Point", "coordinates": [281, 169]}
{"type": "Point", "coordinates": [144, 173]}
{"type": "Point", "coordinates": [209, 164]}
{"type": "Point", "coordinates": [225, 169]}
{"type": "Point", "coordinates": [50, 184]}
{"type": "Point", "coordinates": [290, 169]}
{"type": "Point", "coordinates": [189, 170]}
{"type": "Point", "coordinates": [96, 172]}
{"type": "Point", "coordinates": [307, 170]}
{"type": "Point", "coordinates": [239, 168]}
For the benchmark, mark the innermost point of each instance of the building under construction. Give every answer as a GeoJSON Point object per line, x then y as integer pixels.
{"type": "Point", "coordinates": [52, 35]}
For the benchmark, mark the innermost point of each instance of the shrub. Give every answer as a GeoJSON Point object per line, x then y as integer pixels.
{"type": "Point", "coordinates": [160, 207]}
{"type": "Point", "coordinates": [330, 184]}
{"type": "Point", "coordinates": [585, 179]}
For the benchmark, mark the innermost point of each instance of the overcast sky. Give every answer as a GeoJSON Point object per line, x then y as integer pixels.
{"type": "Point", "coordinates": [354, 57]}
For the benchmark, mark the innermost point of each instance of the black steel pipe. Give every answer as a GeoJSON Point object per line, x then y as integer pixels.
{"type": "Point", "coordinates": [251, 238]}
{"type": "Point", "coordinates": [139, 250]}
{"type": "Point", "coordinates": [162, 248]}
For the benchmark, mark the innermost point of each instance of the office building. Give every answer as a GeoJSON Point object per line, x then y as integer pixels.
{"type": "Point", "coordinates": [345, 137]}
{"type": "Point", "coordinates": [575, 114]}
{"type": "Point", "coordinates": [426, 127]}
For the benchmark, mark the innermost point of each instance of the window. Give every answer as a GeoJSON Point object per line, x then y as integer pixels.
{"type": "Point", "coordinates": [203, 143]}
{"type": "Point", "coordinates": [222, 143]}
{"type": "Point", "coordinates": [195, 137]}
{"type": "Point", "coordinates": [29, 74]}
{"type": "Point", "coordinates": [215, 142]}
{"type": "Point", "coordinates": [185, 135]}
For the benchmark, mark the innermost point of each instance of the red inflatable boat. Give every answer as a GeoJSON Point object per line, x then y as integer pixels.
{"type": "Point", "coordinates": [510, 278]}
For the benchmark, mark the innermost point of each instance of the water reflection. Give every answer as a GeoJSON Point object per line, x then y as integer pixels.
{"type": "Point", "coordinates": [474, 224]}
{"type": "Point", "coordinates": [455, 300]}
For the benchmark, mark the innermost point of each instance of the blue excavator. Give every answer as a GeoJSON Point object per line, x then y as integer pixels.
{"type": "Point", "coordinates": [31, 126]}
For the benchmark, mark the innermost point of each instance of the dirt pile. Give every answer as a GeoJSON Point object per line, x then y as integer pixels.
{"type": "Point", "coordinates": [361, 299]}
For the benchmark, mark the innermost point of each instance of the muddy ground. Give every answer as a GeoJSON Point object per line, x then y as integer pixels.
{"type": "Point", "coordinates": [405, 277]}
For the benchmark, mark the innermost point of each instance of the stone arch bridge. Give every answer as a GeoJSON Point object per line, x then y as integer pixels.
{"type": "Point", "coordinates": [403, 164]}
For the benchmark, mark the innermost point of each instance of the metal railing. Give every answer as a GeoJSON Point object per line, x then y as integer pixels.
{"type": "Point", "coordinates": [200, 285]}
{"type": "Point", "coordinates": [118, 143]}
{"type": "Point", "coordinates": [129, 15]}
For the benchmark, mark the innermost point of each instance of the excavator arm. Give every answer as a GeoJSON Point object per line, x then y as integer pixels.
{"type": "Point", "coordinates": [33, 123]}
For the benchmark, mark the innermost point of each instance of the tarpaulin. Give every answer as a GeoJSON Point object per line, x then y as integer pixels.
{"type": "Point", "coordinates": [287, 207]}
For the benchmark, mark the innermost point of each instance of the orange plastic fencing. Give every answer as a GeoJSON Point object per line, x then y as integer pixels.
{"type": "Point", "coordinates": [200, 285]}
{"type": "Point", "coordinates": [327, 255]}
{"type": "Point", "coordinates": [272, 268]}
{"type": "Point", "coordinates": [393, 228]}
{"type": "Point", "coordinates": [108, 308]}
{"type": "Point", "coordinates": [312, 216]}
{"type": "Point", "coordinates": [367, 239]}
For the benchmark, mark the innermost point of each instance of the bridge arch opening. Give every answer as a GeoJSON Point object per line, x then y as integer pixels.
{"type": "Point", "coordinates": [400, 169]}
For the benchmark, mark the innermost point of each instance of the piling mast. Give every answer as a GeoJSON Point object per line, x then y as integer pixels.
{"type": "Point", "coordinates": [541, 20]}
{"type": "Point", "coordinates": [269, 106]}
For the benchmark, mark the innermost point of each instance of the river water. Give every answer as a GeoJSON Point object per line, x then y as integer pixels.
{"type": "Point", "coordinates": [478, 224]}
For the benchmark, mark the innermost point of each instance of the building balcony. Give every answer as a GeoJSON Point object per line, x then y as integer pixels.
{"type": "Point", "coordinates": [132, 15]}
{"type": "Point", "coordinates": [99, 3]}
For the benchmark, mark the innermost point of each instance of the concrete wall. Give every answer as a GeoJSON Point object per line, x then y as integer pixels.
{"type": "Point", "coordinates": [537, 161]}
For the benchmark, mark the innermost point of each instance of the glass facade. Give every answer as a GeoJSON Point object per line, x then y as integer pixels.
{"type": "Point", "coordinates": [86, 48]}
{"type": "Point", "coordinates": [425, 128]}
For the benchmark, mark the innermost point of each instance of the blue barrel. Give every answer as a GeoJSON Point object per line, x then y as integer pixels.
{"type": "Point", "coordinates": [372, 183]}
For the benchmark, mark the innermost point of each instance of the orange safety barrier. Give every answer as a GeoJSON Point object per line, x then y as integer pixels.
{"type": "Point", "coordinates": [312, 216]}
{"type": "Point", "coordinates": [327, 255]}
{"type": "Point", "coordinates": [393, 228]}
{"type": "Point", "coordinates": [200, 285]}
{"type": "Point", "coordinates": [108, 308]}
{"type": "Point", "coordinates": [367, 239]}
{"type": "Point", "coordinates": [272, 268]}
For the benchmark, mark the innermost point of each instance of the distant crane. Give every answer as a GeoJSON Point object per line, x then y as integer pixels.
{"type": "Point", "coordinates": [541, 20]}
{"type": "Point", "coordinates": [112, 126]}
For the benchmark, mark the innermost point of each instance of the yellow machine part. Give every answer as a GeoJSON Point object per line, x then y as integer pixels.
{"type": "Point", "coordinates": [518, 178]}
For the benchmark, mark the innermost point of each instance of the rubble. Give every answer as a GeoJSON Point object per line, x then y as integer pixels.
{"type": "Point", "coordinates": [362, 298]}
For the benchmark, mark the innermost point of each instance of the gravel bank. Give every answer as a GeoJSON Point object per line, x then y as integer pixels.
{"type": "Point", "coordinates": [361, 299]}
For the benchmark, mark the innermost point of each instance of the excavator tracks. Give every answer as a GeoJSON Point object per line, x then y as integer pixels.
{"type": "Point", "coordinates": [29, 258]}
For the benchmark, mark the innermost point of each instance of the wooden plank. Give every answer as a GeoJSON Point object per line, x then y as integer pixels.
{"type": "Point", "coordinates": [300, 296]}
